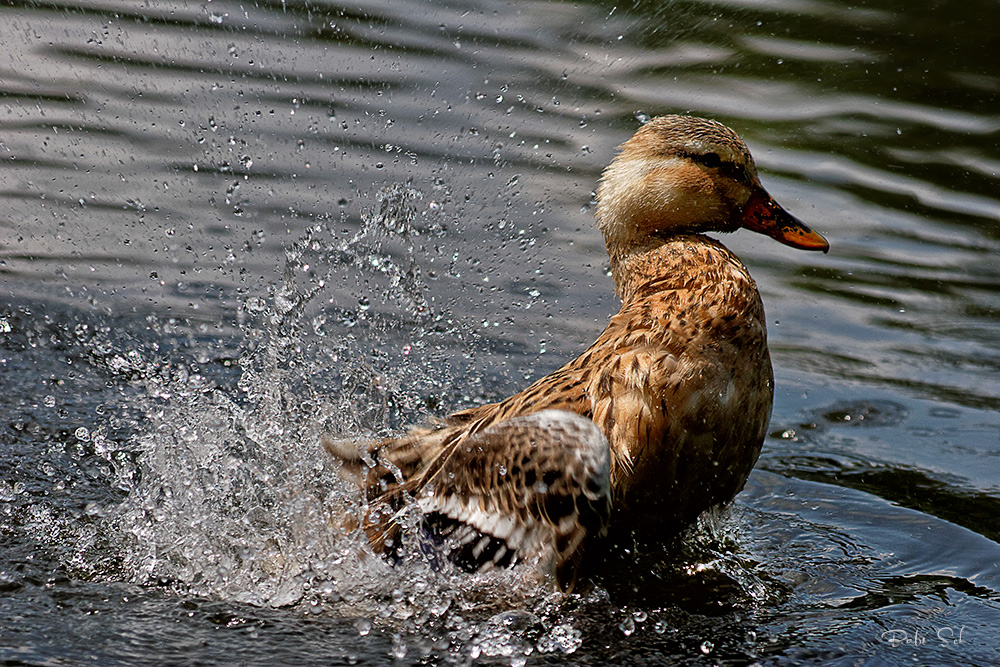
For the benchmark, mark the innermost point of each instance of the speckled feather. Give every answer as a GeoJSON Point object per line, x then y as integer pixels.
{"type": "Point", "coordinates": [655, 381]}
{"type": "Point", "coordinates": [679, 383]}
{"type": "Point", "coordinates": [535, 485]}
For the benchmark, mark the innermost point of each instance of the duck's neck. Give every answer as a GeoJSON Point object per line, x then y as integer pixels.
{"type": "Point", "coordinates": [681, 260]}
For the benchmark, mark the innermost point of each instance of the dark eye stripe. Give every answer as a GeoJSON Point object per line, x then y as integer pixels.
{"type": "Point", "coordinates": [713, 160]}
{"type": "Point", "coordinates": [709, 160]}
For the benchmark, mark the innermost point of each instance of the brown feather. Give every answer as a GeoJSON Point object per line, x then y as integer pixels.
{"type": "Point", "coordinates": [679, 384]}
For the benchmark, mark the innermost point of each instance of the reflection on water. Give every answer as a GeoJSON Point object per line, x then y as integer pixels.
{"type": "Point", "coordinates": [199, 275]}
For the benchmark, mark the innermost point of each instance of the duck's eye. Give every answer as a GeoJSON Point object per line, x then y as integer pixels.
{"type": "Point", "coordinates": [711, 160]}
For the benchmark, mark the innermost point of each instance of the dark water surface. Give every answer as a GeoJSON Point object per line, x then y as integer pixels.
{"type": "Point", "coordinates": [226, 227]}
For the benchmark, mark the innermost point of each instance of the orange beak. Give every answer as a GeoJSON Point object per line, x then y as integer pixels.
{"type": "Point", "coordinates": [765, 216]}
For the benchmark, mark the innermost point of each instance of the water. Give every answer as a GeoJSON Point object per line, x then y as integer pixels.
{"type": "Point", "coordinates": [228, 228]}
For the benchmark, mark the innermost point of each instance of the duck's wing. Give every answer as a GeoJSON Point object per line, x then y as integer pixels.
{"type": "Point", "coordinates": [390, 471]}
{"type": "Point", "coordinates": [529, 488]}
{"type": "Point", "coordinates": [407, 463]}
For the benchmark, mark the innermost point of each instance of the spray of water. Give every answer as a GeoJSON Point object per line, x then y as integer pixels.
{"type": "Point", "coordinates": [229, 494]}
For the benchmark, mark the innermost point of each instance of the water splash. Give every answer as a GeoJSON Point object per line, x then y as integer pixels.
{"type": "Point", "coordinates": [229, 494]}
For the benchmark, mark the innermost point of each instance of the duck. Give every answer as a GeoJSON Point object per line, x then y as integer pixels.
{"type": "Point", "coordinates": [662, 418]}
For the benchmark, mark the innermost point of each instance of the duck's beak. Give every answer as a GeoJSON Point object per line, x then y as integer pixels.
{"type": "Point", "coordinates": [765, 216]}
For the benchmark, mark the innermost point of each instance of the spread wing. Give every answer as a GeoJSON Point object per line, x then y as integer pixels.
{"type": "Point", "coordinates": [530, 488]}
{"type": "Point", "coordinates": [527, 489]}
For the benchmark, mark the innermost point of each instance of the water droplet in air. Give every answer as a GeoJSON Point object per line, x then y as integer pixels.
{"type": "Point", "coordinates": [398, 648]}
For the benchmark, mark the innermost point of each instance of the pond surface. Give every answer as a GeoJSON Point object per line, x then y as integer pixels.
{"type": "Point", "coordinates": [228, 227]}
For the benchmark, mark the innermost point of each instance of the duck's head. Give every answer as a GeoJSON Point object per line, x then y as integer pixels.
{"type": "Point", "coordinates": [683, 175]}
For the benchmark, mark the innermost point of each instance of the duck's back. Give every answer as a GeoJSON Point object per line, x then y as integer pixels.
{"type": "Point", "coordinates": [680, 382]}
{"type": "Point", "coordinates": [689, 411]}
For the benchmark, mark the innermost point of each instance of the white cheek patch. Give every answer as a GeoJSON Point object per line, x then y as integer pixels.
{"type": "Point", "coordinates": [642, 185]}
